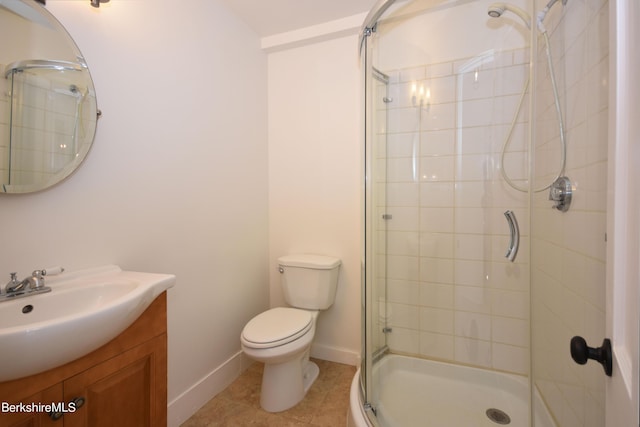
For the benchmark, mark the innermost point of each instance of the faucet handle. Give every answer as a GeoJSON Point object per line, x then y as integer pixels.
{"type": "Point", "coordinates": [13, 282]}
{"type": "Point", "coordinates": [52, 271]}
{"type": "Point", "coordinates": [14, 279]}
{"type": "Point", "coordinates": [36, 281]}
{"type": "Point", "coordinates": [37, 277]}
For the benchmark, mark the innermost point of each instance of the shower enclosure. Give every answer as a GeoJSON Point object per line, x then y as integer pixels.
{"type": "Point", "coordinates": [470, 117]}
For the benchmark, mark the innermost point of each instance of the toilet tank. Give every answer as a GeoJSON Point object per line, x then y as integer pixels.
{"type": "Point", "coordinates": [309, 281]}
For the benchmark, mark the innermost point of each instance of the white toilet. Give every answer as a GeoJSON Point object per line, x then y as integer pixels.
{"type": "Point", "coordinates": [281, 337]}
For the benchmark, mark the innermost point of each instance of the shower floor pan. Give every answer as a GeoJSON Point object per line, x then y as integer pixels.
{"type": "Point", "coordinates": [424, 393]}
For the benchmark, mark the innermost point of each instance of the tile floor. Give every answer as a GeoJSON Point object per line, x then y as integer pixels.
{"type": "Point", "coordinates": [238, 405]}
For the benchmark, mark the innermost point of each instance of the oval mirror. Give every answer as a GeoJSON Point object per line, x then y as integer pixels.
{"type": "Point", "coordinates": [48, 109]}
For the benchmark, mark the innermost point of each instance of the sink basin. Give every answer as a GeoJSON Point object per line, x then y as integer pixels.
{"type": "Point", "coordinates": [84, 310]}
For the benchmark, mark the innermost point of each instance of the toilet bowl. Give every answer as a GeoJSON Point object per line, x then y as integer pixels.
{"type": "Point", "coordinates": [281, 337]}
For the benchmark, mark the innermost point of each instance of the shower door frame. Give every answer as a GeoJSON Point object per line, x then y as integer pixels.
{"type": "Point", "coordinates": [370, 235]}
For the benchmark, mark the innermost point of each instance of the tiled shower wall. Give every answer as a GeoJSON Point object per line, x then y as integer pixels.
{"type": "Point", "coordinates": [451, 294]}
{"type": "Point", "coordinates": [568, 249]}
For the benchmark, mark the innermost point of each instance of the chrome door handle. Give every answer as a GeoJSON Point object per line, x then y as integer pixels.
{"type": "Point", "coordinates": [514, 243]}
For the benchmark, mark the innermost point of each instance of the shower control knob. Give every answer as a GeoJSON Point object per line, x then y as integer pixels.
{"type": "Point", "coordinates": [581, 353]}
{"type": "Point", "coordinates": [561, 192]}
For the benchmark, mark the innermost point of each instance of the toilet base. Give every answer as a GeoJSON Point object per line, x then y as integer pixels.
{"type": "Point", "coordinates": [310, 375]}
{"type": "Point", "coordinates": [284, 385]}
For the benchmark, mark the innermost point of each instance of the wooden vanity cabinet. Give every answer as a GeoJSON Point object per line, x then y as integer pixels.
{"type": "Point", "coordinates": [123, 383]}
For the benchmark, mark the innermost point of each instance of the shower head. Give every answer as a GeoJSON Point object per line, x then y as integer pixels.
{"type": "Point", "coordinates": [497, 9]}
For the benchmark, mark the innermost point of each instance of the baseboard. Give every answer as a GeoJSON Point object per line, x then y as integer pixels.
{"type": "Point", "coordinates": [335, 354]}
{"type": "Point", "coordinates": [192, 399]}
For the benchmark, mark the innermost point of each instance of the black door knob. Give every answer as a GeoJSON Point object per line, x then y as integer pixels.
{"type": "Point", "coordinates": [581, 353]}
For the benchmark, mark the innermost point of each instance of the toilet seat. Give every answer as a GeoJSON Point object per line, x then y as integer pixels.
{"type": "Point", "coordinates": [277, 327]}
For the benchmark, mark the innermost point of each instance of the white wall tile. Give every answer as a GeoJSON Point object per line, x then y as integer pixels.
{"type": "Point", "coordinates": [400, 145]}
{"type": "Point", "coordinates": [436, 245]}
{"type": "Point", "coordinates": [402, 194]}
{"type": "Point", "coordinates": [403, 243]}
{"type": "Point", "coordinates": [510, 358]}
{"type": "Point", "coordinates": [472, 351]}
{"type": "Point", "coordinates": [436, 320]}
{"type": "Point", "coordinates": [437, 220]}
{"type": "Point", "coordinates": [403, 291]}
{"type": "Point", "coordinates": [437, 143]}
{"type": "Point", "coordinates": [472, 273]}
{"type": "Point", "coordinates": [403, 315]}
{"type": "Point", "coordinates": [437, 168]}
{"type": "Point", "coordinates": [510, 331]}
{"type": "Point", "coordinates": [404, 340]}
{"type": "Point", "coordinates": [438, 116]}
{"type": "Point", "coordinates": [472, 247]}
{"type": "Point", "coordinates": [473, 299]}
{"type": "Point", "coordinates": [437, 346]}
{"type": "Point", "coordinates": [513, 304]}
{"type": "Point", "coordinates": [437, 194]}
{"type": "Point", "coordinates": [437, 295]}
{"type": "Point", "coordinates": [403, 267]}
{"type": "Point", "coordinates": [461, 217]}
{"type": "Point", "coordinates": [436, 270]}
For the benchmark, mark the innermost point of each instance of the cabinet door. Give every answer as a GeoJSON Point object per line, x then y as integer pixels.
{"type": "Point", "coordinates": [128, 390]}
{"type": "Point", "coordinates": [36, 417]}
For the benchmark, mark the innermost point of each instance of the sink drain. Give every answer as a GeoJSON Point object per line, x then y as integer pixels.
{"type": "Point", "coordinates": [498, 416]}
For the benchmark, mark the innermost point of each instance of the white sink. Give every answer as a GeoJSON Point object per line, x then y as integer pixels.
{"type": "Point", "coordinates": [84, 310]}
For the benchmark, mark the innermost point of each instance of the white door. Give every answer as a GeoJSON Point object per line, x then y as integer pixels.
{"type": "Point", "coordinates": [623, 257]}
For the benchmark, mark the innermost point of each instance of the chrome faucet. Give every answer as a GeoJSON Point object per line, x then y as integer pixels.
{"type": "Point", "coordinates": [33, 284]}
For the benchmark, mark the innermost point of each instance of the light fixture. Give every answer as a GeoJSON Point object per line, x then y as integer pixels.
{"type": "Point", "coordinates": [96, 3]}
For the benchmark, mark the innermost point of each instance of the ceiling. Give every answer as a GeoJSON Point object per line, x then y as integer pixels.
{"type": "Point", "coordinates": [269, 17]}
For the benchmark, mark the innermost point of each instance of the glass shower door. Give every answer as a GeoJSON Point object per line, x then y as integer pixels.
{"type": "Point", "coordinates": [437, 282]}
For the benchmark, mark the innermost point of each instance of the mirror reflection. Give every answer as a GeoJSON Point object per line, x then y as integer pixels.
{"type": "Point", "coordinates": [48, 109]}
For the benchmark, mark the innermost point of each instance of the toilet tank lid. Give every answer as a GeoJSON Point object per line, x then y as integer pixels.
{"type": "Point", "coordinates": [320, 262]}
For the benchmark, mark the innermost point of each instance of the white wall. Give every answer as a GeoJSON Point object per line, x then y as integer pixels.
{"type": "Point", "coordinates": [176, 181]}
{"type": "Point", "coordinates": [315, 177]}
